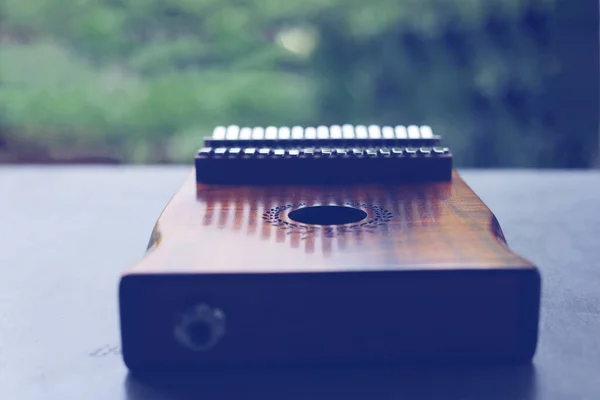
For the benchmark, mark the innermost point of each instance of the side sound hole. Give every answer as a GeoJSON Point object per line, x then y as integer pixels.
{"type": "Point", "coordinates": [199, 332]}
{"type": "Point", "coordinates": [327, 215]}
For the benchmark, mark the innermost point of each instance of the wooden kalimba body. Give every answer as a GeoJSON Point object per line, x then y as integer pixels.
{"type": "Point", "coordinates": [330, 244]}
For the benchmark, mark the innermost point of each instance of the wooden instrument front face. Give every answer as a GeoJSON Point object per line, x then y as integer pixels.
{"type": "Point", "coordinates": [231, 229]}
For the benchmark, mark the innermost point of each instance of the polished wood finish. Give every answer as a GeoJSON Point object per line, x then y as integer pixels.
{"type": "Point", "coordinates": [432, 252]}
{"type": "Point", "coordinates": [219, 229]}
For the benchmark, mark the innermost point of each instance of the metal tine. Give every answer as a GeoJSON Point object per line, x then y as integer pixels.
{"type": "Point", "coordinates": [219, 133]}
{"type": "Point", "coordinates": [233, 132]}
{"type": "Point", "coordinates": [335, 132]}
{"type": "Point", "coordinates": [297, 133]}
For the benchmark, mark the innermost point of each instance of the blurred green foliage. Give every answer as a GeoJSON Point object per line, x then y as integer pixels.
{"type": "Point", "coordinates": [145, 80]}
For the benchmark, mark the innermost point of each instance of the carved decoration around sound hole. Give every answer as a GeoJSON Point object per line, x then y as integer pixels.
{"type": "Point", "coordinates": [278, 216]}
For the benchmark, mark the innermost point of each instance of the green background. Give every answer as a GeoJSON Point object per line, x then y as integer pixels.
{"type": "Point", "coordinates": [143, 81]}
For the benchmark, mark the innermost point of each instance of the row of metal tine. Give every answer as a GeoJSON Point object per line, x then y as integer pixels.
{"type": "Point", "coordinates": [325, 152]}
{"type": "Point", "coordinates": [374, 132]}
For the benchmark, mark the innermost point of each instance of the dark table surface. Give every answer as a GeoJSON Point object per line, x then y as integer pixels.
{"type": "Point", "coordinates": [68, 232]}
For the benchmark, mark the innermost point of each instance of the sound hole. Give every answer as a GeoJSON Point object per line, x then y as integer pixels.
{"type": "Point", "coordinates": [327, 215]}
{"type": "Point", "coordinates": [199, 332]}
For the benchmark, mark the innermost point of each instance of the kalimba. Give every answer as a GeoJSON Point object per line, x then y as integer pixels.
{"type": "Point", "coordinates": [329, 244]}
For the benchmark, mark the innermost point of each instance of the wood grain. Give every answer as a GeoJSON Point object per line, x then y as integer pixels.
{"type": "Point", "coordinates": [221, 229]}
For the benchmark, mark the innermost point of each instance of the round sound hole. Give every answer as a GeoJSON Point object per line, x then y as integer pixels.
{"type": "Point", "coordinates": [200, 333]}
{"type": "Point", "coordinates": [327, 215]}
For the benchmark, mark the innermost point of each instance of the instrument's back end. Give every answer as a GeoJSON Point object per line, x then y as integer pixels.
{"type": "Point", "coordinates": [328, 244]}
